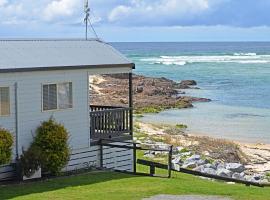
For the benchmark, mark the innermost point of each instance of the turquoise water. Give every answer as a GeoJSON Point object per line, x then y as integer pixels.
{"type": "Point", "coordinates": [236, 76]}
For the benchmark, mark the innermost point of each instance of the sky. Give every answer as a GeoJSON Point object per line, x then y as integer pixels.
{"type": "Point", "coordinates": [138, 20]}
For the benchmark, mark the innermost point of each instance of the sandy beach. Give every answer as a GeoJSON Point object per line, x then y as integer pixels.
{"type": "Point", "coordinates": [256, 157]}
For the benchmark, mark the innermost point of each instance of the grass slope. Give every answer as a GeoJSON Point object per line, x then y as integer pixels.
{"type": "Point", "coordinates": [110, 185]}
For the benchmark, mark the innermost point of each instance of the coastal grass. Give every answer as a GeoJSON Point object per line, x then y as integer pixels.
{"type": "Point", "coordinates": [114, 186]}
{"type": "Point", "coordinates": [159, 108]}
{"type": "Point", "coordinates": [181, 126]}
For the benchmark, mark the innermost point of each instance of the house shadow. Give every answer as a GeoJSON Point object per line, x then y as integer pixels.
{"type": "Point", "coordinates": [41, 186]}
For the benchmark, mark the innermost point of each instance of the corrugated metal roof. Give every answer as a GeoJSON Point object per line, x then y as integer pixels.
{"type": "Point", "coordinates": [33, 55]}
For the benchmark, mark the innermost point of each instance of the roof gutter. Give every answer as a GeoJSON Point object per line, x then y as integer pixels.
{"type": "Point", "coordinates": [55, 68]}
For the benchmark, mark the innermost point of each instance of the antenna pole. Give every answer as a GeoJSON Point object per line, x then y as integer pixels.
{"type": "Point", "coordinates": [87, 21]}
{"type": "Point", "coordinates": [86, 29]}
{"type": "Point", "coordinates": [86, 10]}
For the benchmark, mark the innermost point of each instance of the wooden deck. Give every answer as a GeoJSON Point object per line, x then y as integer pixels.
{"type": "Point", "coordinates": [108, 122]}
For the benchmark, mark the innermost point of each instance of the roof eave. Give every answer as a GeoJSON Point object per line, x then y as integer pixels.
{"type": "Point", "coordinates": [55, 68]}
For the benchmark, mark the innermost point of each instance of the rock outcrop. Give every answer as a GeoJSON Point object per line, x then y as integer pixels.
{"type": "Point", "coordinates": [154, 93]}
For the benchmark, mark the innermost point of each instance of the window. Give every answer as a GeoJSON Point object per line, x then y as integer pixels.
{"type": "Point", "coordinates": [4, 101]}
{"type": "Point", "coordinates": [57, 96]}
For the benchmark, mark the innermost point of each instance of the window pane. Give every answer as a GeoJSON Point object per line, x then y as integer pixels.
{"type": "Point", "coordinates": [64, 95]}
{"type": "Point", "coordinates": [4, 101]}
{"type": "Point", "coordinates": [49, 97]}
{"type": "Point", "coordinates": [45, 97]}
{"type": "Point", "coordinates": [52, 97]}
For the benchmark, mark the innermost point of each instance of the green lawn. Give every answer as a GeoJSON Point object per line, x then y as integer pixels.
{"type": "Point", "coordinates": [110, 185]}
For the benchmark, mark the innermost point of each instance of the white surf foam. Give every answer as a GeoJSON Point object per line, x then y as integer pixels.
{"type": "Point", "coordinates": [244, 54]}
{"type": "Point", "coordinates": [241, 58]}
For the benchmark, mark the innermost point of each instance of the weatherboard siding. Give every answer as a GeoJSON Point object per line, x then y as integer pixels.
{"type": "Point", "coordinates": [8, 122]}
{"type": "Point", "coordinates": [30, 114]}
{"type": "Point", "coordinates": [76, 120]}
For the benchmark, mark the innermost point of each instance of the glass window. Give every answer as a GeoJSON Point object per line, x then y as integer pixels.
{"type": "Point", "coordinates": [4, 101]}
{"type": "Point", "coordinates": [65, 95]}
{"type": "Point", "coordinates": [57, 96]}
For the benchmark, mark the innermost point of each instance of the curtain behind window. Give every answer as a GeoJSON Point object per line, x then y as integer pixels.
{"type": "Point", "coordinates": [4, 101]}
{"type": "Point", "coordinates": [64, 95]}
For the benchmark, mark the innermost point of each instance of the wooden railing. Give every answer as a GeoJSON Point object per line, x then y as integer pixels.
{"type": "Point", "coordinates": [109, 122]}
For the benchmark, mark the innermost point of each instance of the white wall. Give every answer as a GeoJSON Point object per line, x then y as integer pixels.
{"type": "Point", "coordinates": [8, 122]}
{"type": "Point", "coordinates": [76, 120]}
{"type": "Point", "coordinates": [30, 114]}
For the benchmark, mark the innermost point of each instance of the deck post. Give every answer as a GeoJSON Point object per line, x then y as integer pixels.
{"type": "Point", "coordinates": [130, 103]}
{"type": "Point", "coordinates": [170, 161]}
{"type": "Point", "coordinates": [101, 154]}
{"type": "Point", "coordinates": [134, 158]}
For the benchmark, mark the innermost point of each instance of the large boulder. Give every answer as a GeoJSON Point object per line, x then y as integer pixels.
{"type": "Point", "coordinates": [224, 172]}
{"type": "Point", "coordinates": [221, 166]}
{"type": "Point", "coordinates": [209, 171]}
{"type": "Point", "coordinates": [199, 168]}
{"type": "Point", "coordinates": [209, 165]}
{"type": "Point", "coordinates": [139, 89]}
{"type": "Point", "coordinates": [188, 82]}
{"type": "Point", "coordinates": [257, 178]}
{"type": "Point", "coordinates": [176, 166]}
{"type": "Point", "coordinates": [238, 176]}
{"type": "Point", "coordinates": [176, 160]}
{"type": "Point", "coordinates": [235, 167]}
{"type": "Point", "coordinates": [201, 162]}
{"type": "Point", "coordinates": [193, 158]}
{"type": "Point", "coordinates": [189, 165]}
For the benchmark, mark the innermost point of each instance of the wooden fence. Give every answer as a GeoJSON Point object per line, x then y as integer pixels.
{"type": "Point", "coordinates": [108, 122]}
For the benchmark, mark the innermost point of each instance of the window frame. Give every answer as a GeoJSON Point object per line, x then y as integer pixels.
{"type": "Point", "coordinates": [9, 100]}
{"type": "Point", "coordinates": [57, 109]}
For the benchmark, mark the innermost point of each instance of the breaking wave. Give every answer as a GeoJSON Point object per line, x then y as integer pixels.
{"type": "Point", "coordinates": [241, 58]}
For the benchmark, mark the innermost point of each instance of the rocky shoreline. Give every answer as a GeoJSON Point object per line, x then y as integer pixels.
{"type": "Point", "coordinates": [207, 155]}
{"type": "Point", "coordinates": [149, 94]}
{"type": "Point", "coordinates": [250, 162]}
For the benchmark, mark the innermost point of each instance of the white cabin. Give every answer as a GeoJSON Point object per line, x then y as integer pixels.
{"type": "Point", "coordinates": [44, 78]}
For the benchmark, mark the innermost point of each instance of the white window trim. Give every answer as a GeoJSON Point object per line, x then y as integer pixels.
{"type": "Point", "coordinates": [57, 109]}
{"type": "Point", "coordinates": [9, 99]}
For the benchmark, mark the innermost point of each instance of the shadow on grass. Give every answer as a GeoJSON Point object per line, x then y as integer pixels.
{"type": "Point", "coordinates": [17, 190]}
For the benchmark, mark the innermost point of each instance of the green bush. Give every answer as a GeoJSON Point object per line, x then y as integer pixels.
{"type": "Point", "coordinates": [52, 141]}
{"type": "Point", "coordinates": [30, 161]}
{"type": "Point", "coordinates": [6, 142]}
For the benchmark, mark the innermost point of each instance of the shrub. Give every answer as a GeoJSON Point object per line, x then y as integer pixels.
{"type": "Point", "coordinates": [52, 140]}
{"type": "Point", "coordinates": [30, 161]}
{"type": "Point", "coordinates": [6, 142]}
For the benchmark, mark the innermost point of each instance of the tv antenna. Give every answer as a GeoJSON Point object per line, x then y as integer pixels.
{"type": "Point", "coordinates": [87, 20]}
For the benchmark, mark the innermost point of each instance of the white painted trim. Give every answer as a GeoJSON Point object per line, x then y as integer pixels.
{"type": "Point", "coordinates": [57, 85]}
{"type": "Point", "coordinates": [88, 104]}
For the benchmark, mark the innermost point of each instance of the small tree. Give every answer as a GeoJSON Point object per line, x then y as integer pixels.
{"type": "Point", "coordinates": [52, 141]}
{"type": "Point", "coordinates": [6, 142]}
{"type": "Point", "coordinates": [30, 161]}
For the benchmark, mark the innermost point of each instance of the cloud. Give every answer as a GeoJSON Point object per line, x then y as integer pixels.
{"type": "Point", "coordinates": [61, 8]}
{"type": "Point", "coordinates": [41, 11]}
{"type": "Point", "coordinates": [3, 2]}
{"type": "Point", "coordinates": [160, 12]}
{"type": "Point", "coordinates": [138, 13]}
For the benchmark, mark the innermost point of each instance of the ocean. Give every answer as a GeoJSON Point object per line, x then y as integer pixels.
{"type": "Point", "coordinates": [234, 75]}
